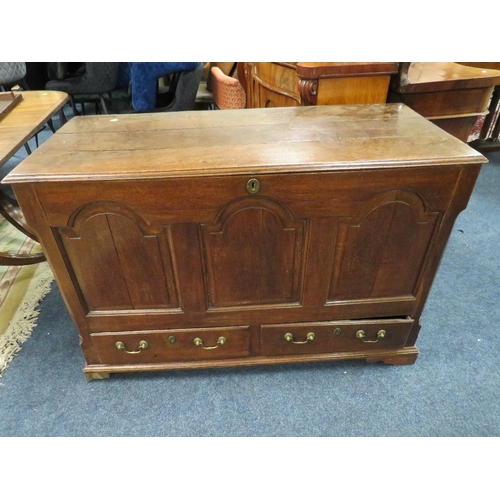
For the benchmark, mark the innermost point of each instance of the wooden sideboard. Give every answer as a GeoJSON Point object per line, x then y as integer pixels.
{"type": "Point", "coordinates": [449, 94]}
{"type": "Point", "coordinates": [246, 237]}
{"type": "Point", "coordinates": [277, 84]}
{"type": "Point", "coordinates": [489, 133]}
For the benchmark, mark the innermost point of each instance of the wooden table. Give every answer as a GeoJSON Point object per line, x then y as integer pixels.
{"type": "Point", "coordinates": [22, 123]}
{"type": "Point", "coordinates": [246, 237]}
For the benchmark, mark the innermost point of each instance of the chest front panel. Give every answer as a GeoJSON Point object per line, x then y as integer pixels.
{"type": "Point", "coordinates": [311, 243]}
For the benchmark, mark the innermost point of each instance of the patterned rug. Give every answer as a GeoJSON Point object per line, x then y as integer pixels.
{"type": "Point", "coordinates": [21, 290]}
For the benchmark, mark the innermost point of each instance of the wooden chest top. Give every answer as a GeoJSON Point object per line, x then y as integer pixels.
{"type": "Point", "coordinates": [273, 140]}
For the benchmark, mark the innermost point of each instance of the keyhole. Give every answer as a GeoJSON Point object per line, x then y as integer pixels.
{"type": "Point", "coordinates": [253, 186]}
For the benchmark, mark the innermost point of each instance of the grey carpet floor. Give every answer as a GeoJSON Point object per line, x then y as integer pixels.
{"type": "Point", "coordinates": [453, 389]}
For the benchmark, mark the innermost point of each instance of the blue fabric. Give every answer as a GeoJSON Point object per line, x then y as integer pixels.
{"type": "Point", "coordinates": [124, 75]}
{"type": "Point", "coordinates": [144, 77]}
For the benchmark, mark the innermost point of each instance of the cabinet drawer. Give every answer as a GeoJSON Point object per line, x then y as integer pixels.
{"type": "Point", "coordinates": [339, 336]}
{"type": "Point", "coordinates": [172, 345]}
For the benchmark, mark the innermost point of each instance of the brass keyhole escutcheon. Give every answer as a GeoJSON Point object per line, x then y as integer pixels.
{"type": "Point", "coordinates": [253, 186]}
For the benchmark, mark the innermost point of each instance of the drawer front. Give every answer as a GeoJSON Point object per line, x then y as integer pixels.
{"type": "Point", "coordinates": [340, 336]}
{"type": "Point", "coordinates": [172, 345]}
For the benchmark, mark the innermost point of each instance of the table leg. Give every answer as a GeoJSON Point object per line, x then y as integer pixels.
{"type": "Point", "coordinates": [15, 217]}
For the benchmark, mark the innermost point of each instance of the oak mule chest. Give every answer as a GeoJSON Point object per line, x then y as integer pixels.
{"type": "Point", "coordinates": [245, 237]}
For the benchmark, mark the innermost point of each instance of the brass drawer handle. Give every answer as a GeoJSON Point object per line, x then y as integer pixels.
{"type": "Point", "coordinates": [309, 336]}
{"type": "Point", "coordinates": [360, 334]}
{"type": "Point", "coordinates": [220, 341]}
{"type": "Point", "coordinates": [142, 345]}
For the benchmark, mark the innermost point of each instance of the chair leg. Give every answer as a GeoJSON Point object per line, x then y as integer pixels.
{"type": "Point", "coordinates": [73, 105]}
{"type": "Point", "coordinates": [27, 147]}
{"type": "Point", "coordinates": [103, 104]}
{"type": "Point", "coordinates": [62, 117]}
{"type": "Point", "coordinates": [51, 126]}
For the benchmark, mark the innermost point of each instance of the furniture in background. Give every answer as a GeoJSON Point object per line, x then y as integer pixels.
{"type": "Point", "coordinates": [270, 84]}
{"type": "Point", "coordinates": [97, 79]}
{"type": "Point", "coordinates": [489, 132]}
{"type": "Point", "coordinates": [227, 92]}
{"type": "Point", "coordinates": [64, 70]}
{"type": "Point", "coordinates": [11, 74]}
{"type": "Point", "coordinates": [182, 92]}
{"type": "Point", "coordinates": [280, 246]}
{"type": "Point", "coordinates": [145, 76]}
{"type": "Point", "coordinates": [226, 68]}
{"type": "Point", "coordinates": [22, 123]}
{"type": "Point", "coordinates": [204, 96]}
{"type": "Point", "coordinates": [449, 94]}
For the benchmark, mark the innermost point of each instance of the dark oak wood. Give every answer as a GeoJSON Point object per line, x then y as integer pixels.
{"type": "Point", "coordinates": [196, 239]}
{"type": "Point", "coordinates": [449, 94]}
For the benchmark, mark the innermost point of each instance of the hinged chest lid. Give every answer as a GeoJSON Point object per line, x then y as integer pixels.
{"type": "Point", "coordinates": [270, 140]}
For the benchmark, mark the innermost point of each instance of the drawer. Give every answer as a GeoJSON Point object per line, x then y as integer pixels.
{"type": "Point", "coordinates": [338, 336]}
{"type": "Point", "coordinates": [193, 344]}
